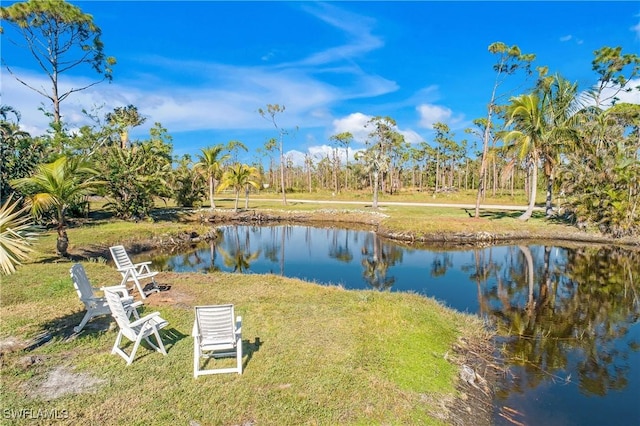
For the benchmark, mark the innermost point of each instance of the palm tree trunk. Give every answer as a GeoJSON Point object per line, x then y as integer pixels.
{"type": "Point", "coordinates": [530, 277]}
{"type": "Point", "coordinates": [62, 243]}
{"type": "Point", "coordinates": [211, 188]}
{"type": "Point", "coordinates": [548, 207]}
{"type": "Point", "coordinates": [532, 197]}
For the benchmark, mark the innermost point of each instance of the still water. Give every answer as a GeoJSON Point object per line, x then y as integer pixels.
{"type": "Point", "coordinates": [567, 319]}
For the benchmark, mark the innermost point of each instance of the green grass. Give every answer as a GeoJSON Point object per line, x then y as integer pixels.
{"type": "Point", "coordinates": [314, 354]}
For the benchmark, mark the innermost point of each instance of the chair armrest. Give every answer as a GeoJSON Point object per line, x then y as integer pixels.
{"type": "Point", "coordinates": [195, 331]}
{"type": "Point", "coordinates": [145, 319]}
{"type": "Point", "coordinates": [143, 268]}
{"type": "Point", "coordinates": [120, 289]}
{"type": "Point", "coordinates": [239, 325]}
{"type": "Point", "coordinates": [117, 287]}
{"type": "Point", "coordinates": [93, 301]}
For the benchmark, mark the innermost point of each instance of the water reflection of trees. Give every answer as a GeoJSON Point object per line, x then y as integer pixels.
{"type": "Point", "coordinates": [236, 252]}
{"type": "Point", "coordinates": [340, 250]}
{"type": "Point", "coordinates": [564, 314]}
{"type": "Point", "coordinates": [378, 257]}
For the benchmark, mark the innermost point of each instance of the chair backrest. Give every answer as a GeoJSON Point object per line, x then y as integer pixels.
{"type": "Point", "coordinates": [81, 282]}
{"type": "Point", "coordinates": [117, 310]}
{"type": "Point", "coordinates": [120, 257]}
{"type": "Point", "coordinates": [216, 323]}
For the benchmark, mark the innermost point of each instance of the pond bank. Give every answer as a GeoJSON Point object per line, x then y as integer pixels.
{"type": "Point", "coordinates": [375, 221]}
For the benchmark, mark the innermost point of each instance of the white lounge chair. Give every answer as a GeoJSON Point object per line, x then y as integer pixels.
{"type": "Point", "coordinates": [135, 331]}
{"type": "Point", "coordinates": [96, 305]}
{"type": "Point", "coordinates": [133, 271]}
{"type": "Point", "coordinates": [217, 334]}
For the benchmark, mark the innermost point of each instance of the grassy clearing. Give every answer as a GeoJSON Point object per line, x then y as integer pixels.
{"type": "Point", "coordinates": [313, 354]}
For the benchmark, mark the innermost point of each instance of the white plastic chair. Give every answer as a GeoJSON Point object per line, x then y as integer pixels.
{"type": "Point", "coordinates": [135, 331]}
{"type": "Point", "coordinates": [216, 334]}
{"type": "Point", "coordinates": [97, 305]}
{"type": "Point", "coordinates": [133, 271]}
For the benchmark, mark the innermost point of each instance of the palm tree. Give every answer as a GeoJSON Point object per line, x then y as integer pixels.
{"type": "Point", "coordinates": [239, 177]}
{"type": "Point", "coordinates": [529, 135]}
{"type": "Point", "coordinates": [559, 102]}
{"type": "Point", "coordinates": [16, 233]}
{"type": "Point", "coordinates": [123, 118]}
{"type": "Point", "coordinates": [210, 165]}
{"type": "Point", "coordinates": [59, 185]}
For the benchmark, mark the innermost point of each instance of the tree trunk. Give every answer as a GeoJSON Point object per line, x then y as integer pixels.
{"type": "Point", "coordinates": [437, 171]}
{"type": "Point", "coordinates": [346, 168]}
{"type": "Point", "coordinates": [375, 189]}
{"type": "Point", "coordinates": [62, 244]}
{"type": "Point", "coordinates": [533, 192]}
{"type": "Point", "coordinates": [284, 194]}
{"type": "Point", "coordinates": [211, 189]}
{"type": "Point", "coordinates": [485, 152]}
{"type": "Point", "coordinates": [548, 206]}
{"type": "Point", "coordinates": [530, 278]}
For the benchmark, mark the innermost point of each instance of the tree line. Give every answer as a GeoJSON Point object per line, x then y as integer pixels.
{"type": "Point", "coordinates": [581, 146]}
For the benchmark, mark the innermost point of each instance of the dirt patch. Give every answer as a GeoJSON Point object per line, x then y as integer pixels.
{"type": "Point", "coordinates": [62, 381]}
{"type": "Point", "coordinates": [172, 297]}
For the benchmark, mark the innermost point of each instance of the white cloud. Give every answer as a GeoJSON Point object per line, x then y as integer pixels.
{"type": "Point", "coordinates": [296, 157]}
{"type": "Point", "coordinates": [431, 114]}
{"type": "Point", "coordinates": [319, 152]}
{"type": "Point", "coordinates": [632, 97]}
{"type": "Point", "coordinates": [358, 27]}
{"type": "Point", "coordinates": [411, 136]}
{"type": "Point", "coordinates": [569, 37]}
{"type": "Point", "coordinates": [636, 29]}
{"type": "Point", "coordinates": [355, 124]}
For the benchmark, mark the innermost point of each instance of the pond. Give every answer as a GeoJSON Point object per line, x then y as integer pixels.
{"type": "Point", "coordinates": [567, 317]}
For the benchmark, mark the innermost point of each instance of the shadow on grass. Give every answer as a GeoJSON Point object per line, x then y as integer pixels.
{"type": "Point", "coordinates": [249, 348]}
{"type": "Point", "coordinates": [62, 329]}
{"type": "Point", "coordinates": [505, 214]}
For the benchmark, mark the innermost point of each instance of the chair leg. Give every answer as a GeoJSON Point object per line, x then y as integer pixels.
{"type": "Point", "coordinates": [239, 355]}
{"type": "Point", "coordinates": [135, 348]}
{"type": "Point", "coordinates": [196, 357]}
{"type": "Point", "coordinates": [116, 345]}
{"type": "Point", "coordinates": [160, 348]}
{"type": "Point", "coordinates": [116, 350]}
{"type": "Point", "coordinates": [140, 290]}
{"type": "Point", "coordinates": [87, 317]}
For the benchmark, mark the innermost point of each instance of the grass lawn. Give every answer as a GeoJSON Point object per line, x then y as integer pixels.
{"type": "Point", "coordinates": [313, 354]}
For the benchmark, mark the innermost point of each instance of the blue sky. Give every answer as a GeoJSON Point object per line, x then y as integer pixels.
{"type": "Point", "coordinates": [203, 68]}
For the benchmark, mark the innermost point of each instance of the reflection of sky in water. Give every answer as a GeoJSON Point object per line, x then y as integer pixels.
{"type": "Point", "coordinates": [479, 281]}
{"type": "Point", "coordinates": [311, 254]}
